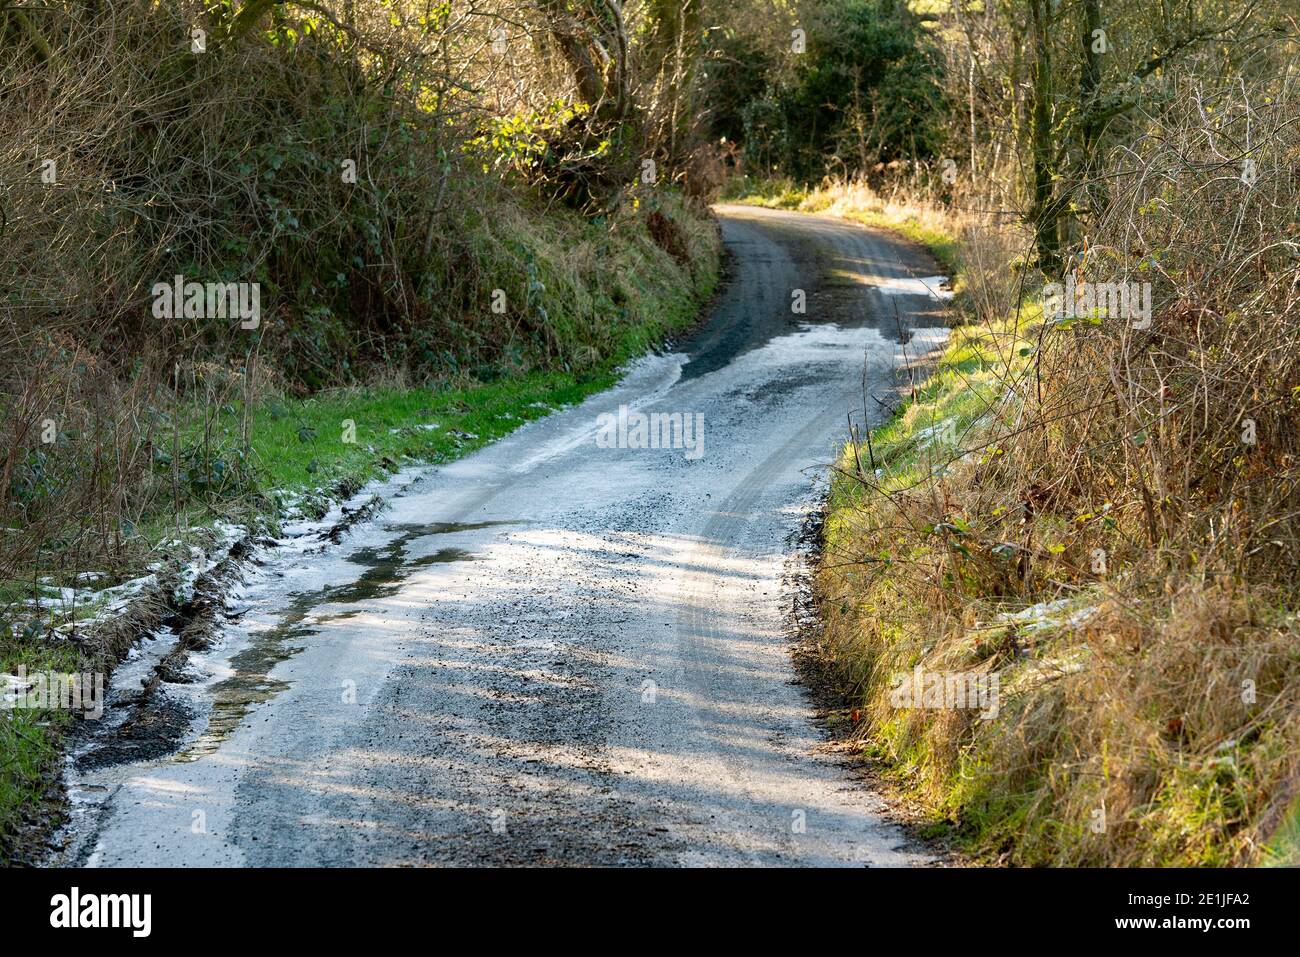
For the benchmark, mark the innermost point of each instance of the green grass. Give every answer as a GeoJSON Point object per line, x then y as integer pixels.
{"type": "Point", "coordinates": [944, 414]}
{"type": "Point", "coordinates": [945, 417]}
{"type": "Point", "coordinates": [29, 738]}
{"type": "Point", "coordinates": [768, 193]}
{"type": "Point", "coordinates": [355, 436]}
{"type": "Point", "coordinates": [1284, 848]}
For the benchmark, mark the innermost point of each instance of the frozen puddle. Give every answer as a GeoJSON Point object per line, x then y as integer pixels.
{"type": "Point", "coordinates": [249, 681]}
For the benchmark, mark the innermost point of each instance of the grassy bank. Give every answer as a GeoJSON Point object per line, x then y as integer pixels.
{"type": "Point", "coordinates": [1077, 536]}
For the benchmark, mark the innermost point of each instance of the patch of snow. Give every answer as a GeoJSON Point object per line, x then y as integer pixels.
{"type": "Point", "coordinates": [944, 432]}
{"type": "Point", "coordinates": [931, 286]}
{"type": "Point", "coordinates": [11, 687]}
{"type": "Point", "coordinates": [1044, 615]}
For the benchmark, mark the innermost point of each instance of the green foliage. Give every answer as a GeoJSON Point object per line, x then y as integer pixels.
{"type": "Point", "coordinates": [520, 141]}
{"type": "Point", "coordinates": [210, 470]}
{"type": "Point", "coordinates": [866, 89]}
{"type": "Point", "coordinates": [739, 73]}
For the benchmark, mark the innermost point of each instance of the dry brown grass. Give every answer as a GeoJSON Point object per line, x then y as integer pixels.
{"type": "Point", "coordinates": [1153, 717]}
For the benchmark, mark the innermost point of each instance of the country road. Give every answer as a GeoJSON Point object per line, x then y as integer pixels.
{"type": "Point", "coordinates": [553, 652]}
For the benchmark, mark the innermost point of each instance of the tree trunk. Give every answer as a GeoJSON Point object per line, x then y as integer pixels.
{"type": "Point", "coordinates": [1045, 212]}
{"type": "Point", "coordinates": [596, 55]}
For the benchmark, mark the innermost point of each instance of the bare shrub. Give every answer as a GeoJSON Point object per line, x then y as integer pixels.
{"type": "Point", "coordinates": [1119, 533]}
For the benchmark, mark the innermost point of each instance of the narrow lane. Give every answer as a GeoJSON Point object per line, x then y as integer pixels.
{"type": "Point", "coordinates": [555, 652]}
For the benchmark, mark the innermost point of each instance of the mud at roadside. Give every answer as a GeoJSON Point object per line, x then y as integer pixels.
{"type": "Point", "coordinates": [833, 704]}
